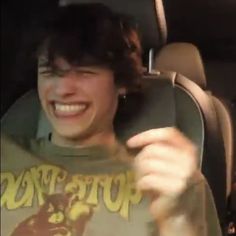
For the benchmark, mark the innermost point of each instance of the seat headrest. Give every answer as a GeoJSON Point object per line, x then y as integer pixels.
{"type": "Point", "coordinates": [149, 15]}
{"type": "Point", "coordinates": [183, 58]}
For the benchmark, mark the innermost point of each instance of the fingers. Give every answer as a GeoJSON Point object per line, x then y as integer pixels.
{"type": "Point", "coordinates": [170, 135]}
{"type": "Point", "coordinates": [166, 162]}
{"type": "Point", "coordinates": [164, 167]}
{"type": "Point", "coordinates": [165, 159]}
{"type": "Point", "coordinates": [161, 184]}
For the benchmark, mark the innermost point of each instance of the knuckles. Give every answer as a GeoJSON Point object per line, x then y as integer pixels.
{"type": "Point", "coordinates": [185, 156]}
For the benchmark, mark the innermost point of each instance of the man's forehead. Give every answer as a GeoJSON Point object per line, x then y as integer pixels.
{"type": "Point", "coordinates": [63, 65]}
{"type": "Point", "coordinates": [42, 60]}
{"type": "Point", "coordinates": [58, 62]}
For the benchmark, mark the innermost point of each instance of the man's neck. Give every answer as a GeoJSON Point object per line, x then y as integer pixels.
{"type": "Point", "coordinates": [107, 139]}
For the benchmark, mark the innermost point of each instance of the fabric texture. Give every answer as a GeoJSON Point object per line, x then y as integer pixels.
{"type": "Point", "coordinates": [51, 190]}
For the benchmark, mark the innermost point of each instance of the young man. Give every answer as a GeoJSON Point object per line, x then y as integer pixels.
{"type": "Point", "coordinates": [81, 180]}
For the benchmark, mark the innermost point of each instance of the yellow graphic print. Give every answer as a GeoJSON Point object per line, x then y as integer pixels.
{"type": "Point", "coordinates": [117, 191]}
{"type": "Point", "coordinates": [19, 191]}
{"type": "Point", "coordinates": [52, 219]}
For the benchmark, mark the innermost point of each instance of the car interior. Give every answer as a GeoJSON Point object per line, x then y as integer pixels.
{"type": "Point", "coordinates": [181, 89]}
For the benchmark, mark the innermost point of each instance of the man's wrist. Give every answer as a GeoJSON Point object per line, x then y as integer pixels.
{"type": "Point", "coordinates": [175, 225]}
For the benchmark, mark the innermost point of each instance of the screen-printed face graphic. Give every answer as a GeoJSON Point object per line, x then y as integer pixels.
{"type": "Point", "coordinates": [57, 216]}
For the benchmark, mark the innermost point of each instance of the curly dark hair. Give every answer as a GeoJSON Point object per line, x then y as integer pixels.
{"type": "Point", "coordinates": [92, 34]}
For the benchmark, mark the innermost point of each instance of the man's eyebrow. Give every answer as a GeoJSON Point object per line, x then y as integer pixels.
{"type": "Point", "coordinates": [86, 70]}
{"type": "Point", "coordinates": [42, 66]}
{"type": "Point", "coordinates": [43, 63]}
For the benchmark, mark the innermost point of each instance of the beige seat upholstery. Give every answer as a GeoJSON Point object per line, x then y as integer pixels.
{"type": "Point", "coordinates": [226, 126]}
{"type": "Point", "coordinates": [185, 59]}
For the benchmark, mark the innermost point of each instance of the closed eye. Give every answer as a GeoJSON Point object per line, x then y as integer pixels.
{"type": "Point", "coordinates": [52, 72]}
{"type": "Point", "coordinates": [85, 72]}
{"type": "Point", "coordinates": [46, 72]}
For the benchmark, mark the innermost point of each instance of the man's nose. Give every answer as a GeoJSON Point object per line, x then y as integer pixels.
{"type": "Point", "coordinates": [67, 84]}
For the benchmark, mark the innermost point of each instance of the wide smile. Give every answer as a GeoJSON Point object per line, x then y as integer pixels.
{"type": "Point", "coordinates": [69, 110]}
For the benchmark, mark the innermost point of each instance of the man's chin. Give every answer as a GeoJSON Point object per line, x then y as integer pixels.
{"type": "Point", "coordinates": [67, 136]}
{"type": "Point", "coordinates": [85, 136]}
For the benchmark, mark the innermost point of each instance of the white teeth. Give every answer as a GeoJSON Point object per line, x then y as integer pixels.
{"type": "Point", "coordinates": [69, 108]}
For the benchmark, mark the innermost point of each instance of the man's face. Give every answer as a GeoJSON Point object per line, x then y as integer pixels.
{"type": "Point", "coordinates": [79, 102]}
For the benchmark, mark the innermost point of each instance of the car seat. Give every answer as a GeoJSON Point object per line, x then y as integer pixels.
{"type": "Point", "coordinates": [185, 58]}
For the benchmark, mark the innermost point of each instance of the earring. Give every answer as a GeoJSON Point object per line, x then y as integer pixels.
{"type": "Point", "coordinates": [122, 93]}
{"type": "Point", "coordinates": [122, 98]}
